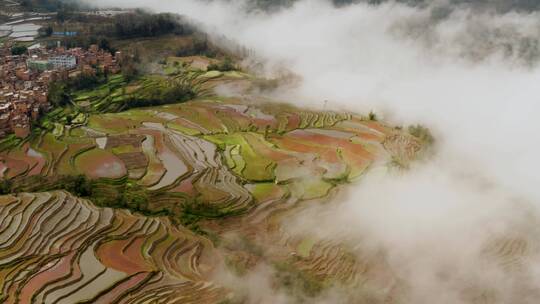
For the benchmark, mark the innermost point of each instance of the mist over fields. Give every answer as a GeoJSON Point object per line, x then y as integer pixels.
{"type": "Point", "coordinates": [469, 72]}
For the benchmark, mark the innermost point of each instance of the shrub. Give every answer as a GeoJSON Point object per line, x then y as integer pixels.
{"type": "Point", "coordinates": [422, 133]}
{"type": "Point", "coordinates": [372, 116]}
{"type": "Point", "coordinates": [5, 186]}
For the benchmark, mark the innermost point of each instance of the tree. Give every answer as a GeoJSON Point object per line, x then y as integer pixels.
{"type": "Point", "coordinates": [19, 50]}
{"type": "Point", "coordinates": [92, 40]}
{"type": "Point", "coordinates": [225, 66]}
{"type": "Point", "coordinates": [80, 185]}
{"type": "Point", "coordinates": [5, 186]}
{"type": "Point", "coordinates": [128, 64]}
{"type": "Point", "coordinates": [26, 3]}
{"type": "Point", "coordinates": [46, 31]}
{"type": "Point", "coordinates": [142, 24]}
{"type": "Point", "coordinates": [129, 70]}
{"type": "Point", "coordinates": [83, 81]}
{"type": "Point", "coordinates": [372, 116]}
{"type": "Point", "coordinates": [104, 44]}
{"type": "Point", "coordinates": [58, 94]}
{"type": "Point", "coordinates": [61, 16]}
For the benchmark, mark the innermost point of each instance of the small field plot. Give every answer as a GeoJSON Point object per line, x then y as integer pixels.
{"type": "Point", "coordinates": [97, 163]}
{"type": "Point", "coordinates": [309, 188]}
{"type": "Point", "coordinates": [256, 167]}
{"type": "Point", "coordinates": [331, 147]}
{"type": "Point", "coordinates": [200, 115]}
{"type": "Point", "coordinates": [263, 192]}
{"type": "Point", "coordinates": [66, 165]}
{"type": "Point", "coordinates": [112, 124]}
{"type": "Point", "coordinates": [53, 149]}
{"type": "Point", "coordinates": [14, 167]}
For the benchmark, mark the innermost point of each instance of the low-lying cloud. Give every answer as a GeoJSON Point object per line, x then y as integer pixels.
{"type": "Point", "coordinates": [470, 75]}
{"type": "Point", "coordinates": [451, 238]}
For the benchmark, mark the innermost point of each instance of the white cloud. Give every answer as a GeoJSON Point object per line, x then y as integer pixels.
{"type": "Point", "coordinates": [472, 77]}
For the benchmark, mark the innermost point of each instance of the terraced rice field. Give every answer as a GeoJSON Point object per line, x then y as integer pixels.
{"type": "Point", "coordinates": [56, 248]}
{"type": "Point", "coordinates": [222, 175]}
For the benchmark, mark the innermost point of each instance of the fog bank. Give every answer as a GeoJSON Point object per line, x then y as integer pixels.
{"type": "Point", "coordinates": [471, 76]}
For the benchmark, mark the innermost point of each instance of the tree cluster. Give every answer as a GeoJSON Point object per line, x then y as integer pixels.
{"type": "Point", "coordinates": [48, 5]}
{"type": "Point", "coordinates": [86, 81]}
{"type": "Point", "coordinates": [85, 41]}
{"type": "Point", "coordinates": [199, 46]}
{"type": "Point", "coordinates": [58, 94]}
{"type": "Point", "coordinates": [142, 24]}
{"type": "Point", "coordinates": [79, 185]}
{"type": "Point", "coordinates": [223, 66]}
{"type": "Point", "coordinates": [18, 50]}
{"type": "Point", "coordinates": [160, 95]}
{"type": "Point", "coordinates": [46, 31]}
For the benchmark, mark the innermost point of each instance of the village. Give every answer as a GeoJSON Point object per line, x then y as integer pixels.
{"type": "Point", "coordinates": [25, 80]}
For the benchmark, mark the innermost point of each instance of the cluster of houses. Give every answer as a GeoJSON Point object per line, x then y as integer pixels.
{"type": "Point", "coordinates": [25, 79]}
{"type": "Point", "coordinates": [75, 60]}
